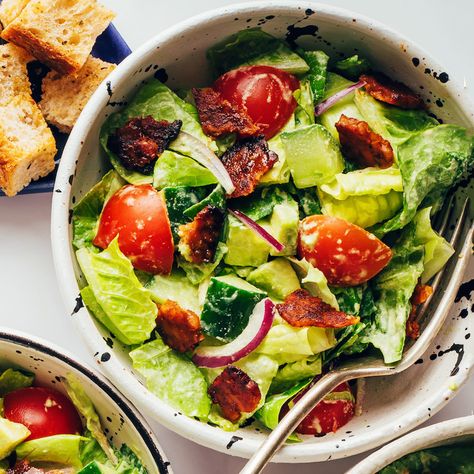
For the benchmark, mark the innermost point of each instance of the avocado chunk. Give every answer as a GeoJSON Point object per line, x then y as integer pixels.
{"type": "Point", "coordinates": [284, 223]}
{"type": "Point", "coordinates": [95, 467]}
{"type": "Point", "coordinates": [11, 435]}
{"type": "Point", "coordinates": [346, 105]}
{"type": "Point", "coordinates": [244, 247]}
{"type": "Point", "coordinates": [61, 449]}
{"type": "Point", "coordinates": [313, 156]}
{"type": "Point", "coordinates": [229, 303]}
{"type": "Point", "coordinates": [277, 278]}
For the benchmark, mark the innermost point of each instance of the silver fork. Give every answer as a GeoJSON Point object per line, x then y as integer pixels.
{"type": "Point", "coordinates": [371, 366]}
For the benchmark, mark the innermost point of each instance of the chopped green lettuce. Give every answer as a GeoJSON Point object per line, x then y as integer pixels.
{"type": "Point", "coordinates": [353, 66]}
{"type": "Point", "coordinates": [349, 298]}
{"type": "Point", "coordinates": [261, 203]}
{"type": "Point", "coordinates": [216, 199]}
{"type": "Point", "coordinates": [174, 169]}
{"type": "Point", "coordinates": [280, 172]}
{"type": "Point", "coordinates": [126, 308]}
{"type": "Point", "coordinates": [87, 211]}
{"type": "Point", "coordinates": [318, 63]}
{"type": "Point", "coordinates": [294, 372]}
{"type": "Point", "coordinates": [198, 272]}
{"type": "Point", "coordinates": [13, 379]}
{"type": "Point", "coordinates": [431, 162]}
{"type": "Point", "coordinates": [172, 377]}
{"type": "Point", "coordinates": [254, 46]}
{"type": "Point", "coordinates": [304, 113]}
{"type": "Point", "coordinates": [308, 201]}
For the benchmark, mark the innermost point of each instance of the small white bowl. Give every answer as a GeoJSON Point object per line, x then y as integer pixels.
{"type": "Point", "coordinates": [393, 405]}
{"type": "Point", "coordinates": [50, 364]}
{"type": "Point", "coordinates": [439, 434]}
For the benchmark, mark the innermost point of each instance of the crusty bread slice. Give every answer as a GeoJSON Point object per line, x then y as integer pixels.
{"type": "Point", "coordinates": [64, 97]}
{"type": "Point", "coordinates": [9, 10]}
{"type": "Point", "coordinates": [27, 146]}
{"type": "Point", "coordinates": [13, 73]}
{"type": "Point", "coordinates": [60, 33]}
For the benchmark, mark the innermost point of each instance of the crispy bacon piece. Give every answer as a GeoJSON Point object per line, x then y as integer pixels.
{"type": "Point", "coordinates": [420, 295]}
{"type": "Point", "coordinates": [386, 90]}
{"type": "Point", "coordinates": [218, 116]}
{"type": "Point", "coordinates": [246, 162]}
{"type": "Point", "coordinates": [180, 328]}
{"type": "Point", "coordinates": [301, 309]}
{"type": "Point", "coordinates": [235, 392]}
{"type": "Point", "coordinates": [200, 237]}
{"type": "Point", "coordinates": [363, 146]}
{"type": "Point", "coordinates": [140, 142]}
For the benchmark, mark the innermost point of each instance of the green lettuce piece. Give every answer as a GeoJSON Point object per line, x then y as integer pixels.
{"type": "Point", "coordinates": [172, 377]}
{"type": "Point", "coordinates": [127, 310]}
{"type": "Point", "coordinates": [173, 169]}
{"type": "Point", "coordinates": [349, 298]}
{"type": "Point", "coordinates": [90, 451]}
{"type": "Point", "coordinates": [197, 273]}
{"type": "Point", "coordinates": [216, 199]}
{"type": "Point", "coordinates": [128, 462]}
{"type": "Point", "coordinates": [261, 203]}
{"type": "Point", "coordinates": [62, 449]}
{"type": "Point", "coordinates": [280, 172]}
{"type": "Point", "coordinates": [261, 369]}
{"type": "Point", "coordinates": [269, 414]}
{"type": "Point", "coordinates": [175, 287]}
{"type": "Point", "coordinates": [4, 465]}
{"type": "Point", "coordinates": [353, 66]}
{"type": "Point", "coordinates": [394, 124]}
{"type": "Point", "coordinates": [431, 162]}
{"type": "Point", "coordinates": [392, 290]}
{"type": "Point", "coordinates": [86, 408]}
{"type": "Point", "coordinates": [11, 435]}
{"type": "Point", "coordinates": [318, 63]}
{"type": "Point", "coordinates": [304, 113]}
{"type": "Point", "coordinates": [290, 374]}
{"type": "Point", "coordinates": [87, 211]}
{"type": "Point", "coordinates": [254, 46]}
{"type": "Point", "coordinates": [308, 201]}
{"type": "Point", "coordinates": [12, 379]}
{"type": "Point", "coordinates": [283, 226]}
{"type": "Point", "coordinates": [314, 281]}
{"type": "Point", "coordinates": [286, 344]}
{"type": "Point", "coordinates": [160, 102]}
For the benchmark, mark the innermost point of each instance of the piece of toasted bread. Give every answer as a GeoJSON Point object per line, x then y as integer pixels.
{"type": "Point", "coordinates": [60, 33]}
{"type": "Point", "coordinates": [64, 96]}
{"type": "Point", "coordinates": [27, 146]}
{"type": "Point", "coordinates": [13, 73]}
{"type": "Point", "coordinates": [9, 10]}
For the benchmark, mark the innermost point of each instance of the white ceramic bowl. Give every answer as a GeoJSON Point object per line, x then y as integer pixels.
{"type": "Point", "coordinates": [49, 364]}
{"type": "Point", "coordinates": [439, 434]}
{"type": "Point", "coordinates": [393, 405]}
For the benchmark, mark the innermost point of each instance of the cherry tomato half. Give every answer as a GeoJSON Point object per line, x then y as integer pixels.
{"type": "Point", "coordinates": [45, 412]}
{"type": "Point", "coordinates": [138, 215]}
{"type": "Point", "coordinates": [329, 415]}
{"type": "Point", "coordinates": [347, 254]}
{"type": "Point", "coordinates": [264, 91]}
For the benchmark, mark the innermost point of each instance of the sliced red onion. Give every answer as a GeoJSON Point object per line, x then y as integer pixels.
{"type": "Point", "coordinates": [330, 101]}
{"type": "Point", "coordinates": [258, 229]}
{"type": "Point", "coordinates": [259, 324]}
{"type": "Point", "coordinates": [199, 151]}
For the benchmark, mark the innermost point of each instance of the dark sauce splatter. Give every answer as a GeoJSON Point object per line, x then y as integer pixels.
{"type": "Point", "coordinates": [439, 103]}
{"type": "Point", "coordinates": [161, 75]}
{"type": "Point", "coordinates": [294, 32]}
{"type": "Point", "coordinates": [105, 357]}
{"type": "Point", "coordinates": [419, 361]}
{"type": "Point", "coordinates": [443, 77]}
{"type": "Point", "coordinates": [79, 305]}
{"type": "Point", "coordinates": [70, 216]}
{"type": "Point", "coordinates": [109, 341]}
{"type": "Point", "coordinates": [309, 12]}
{"type": "Point", "coordinates": [232, 441]}
{"type": "Point", "coordinates": [464, 313]}
{"type": "Point", "coordinates": [465, 291]}
{"type": "Point", "coordinates": [415, 61]}
{"type": "Point", "coordinates": [459, 350]}
{"type": "Point", "coordinates": [110, 92]}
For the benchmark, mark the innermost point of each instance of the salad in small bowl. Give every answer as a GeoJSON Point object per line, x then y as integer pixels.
{"type": "Point", "coordinates": [245, 231]}
{"type": "Point", "coordinates": [58, 416]}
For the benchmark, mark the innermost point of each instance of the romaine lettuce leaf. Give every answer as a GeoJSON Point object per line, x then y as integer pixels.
{"type": "Point", "coordinates": [216, 198]}
{"type": "Point", "coordinates": [304, 113]}
{"type": "Point", "coordinates": [13, 379]}
{"type": "Point", "coordinates": [294, 372]}
{"type": "Point", "coordinates": [308, 201]}
{"type": "Point", "coordinates": [349, 298]}
{"type": "Point", "coordinates": [127, 309]}
{"type": "Point", "coordinates": [261, 203]}
{"type": "Point", "coordinates": [254, 46]}
{"type": "Point", "coordinates": [280, 172]}
{"type": "Point", "coordinates": [318, 63]}
{"type": "Point", "coordinates": [172, 377]}
{"type": "Point", "coordinates": [353, 66]}
{"type": "Point", "coordinates": [431, 162]}
{"type": "Point", "coordinates": [174, 169]}
{"type": "Point", "coordinates": [87, 211]}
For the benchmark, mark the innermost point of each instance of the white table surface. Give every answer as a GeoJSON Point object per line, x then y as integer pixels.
{"type": "Point", "coordinates": [29, 299]}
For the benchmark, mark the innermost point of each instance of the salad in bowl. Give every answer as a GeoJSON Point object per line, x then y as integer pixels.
{"type": "Point", "coordinates": [253, 232]}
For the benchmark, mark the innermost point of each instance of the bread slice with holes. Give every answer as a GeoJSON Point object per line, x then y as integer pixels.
{"type": "Point", "coordinates": [60, 33]}
{"type": "Point", "coordinates": [13, 72]}
{"type": "Point", "coordinates": [9, 10]}
{"type": "Point", "coordinates": [64, 96]}
{"type": "Point", "coordinates": [27, 146]}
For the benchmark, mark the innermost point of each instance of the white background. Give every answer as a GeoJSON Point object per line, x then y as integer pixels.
{"type": "Point", "coordinates": [29, 299]}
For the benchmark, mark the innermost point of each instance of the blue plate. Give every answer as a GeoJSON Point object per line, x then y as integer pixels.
{"type": "Point", "coordinates": [110, 47]}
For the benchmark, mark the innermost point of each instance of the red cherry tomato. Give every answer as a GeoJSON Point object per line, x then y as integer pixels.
{"type": "Point", "coordinates": [347, 254]}
{"type": "Point", "coordinates": [328, 415]}
{"type": "Point", "coordinates": [138, 215]}
{"type": "Point", "coordinates": [264, 91]}
{"type": "Point", "coordinates": [45, 412]}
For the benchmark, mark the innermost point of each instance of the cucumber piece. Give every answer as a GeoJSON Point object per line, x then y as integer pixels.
{"type": "Point", "coordinates": [215, 199]}
{"type": "Point", "coordinates": [95, 467]}
{"type": "Point", "coordinates": [228, 305]}
{"type": "Point", "coordinates": [313, 156]}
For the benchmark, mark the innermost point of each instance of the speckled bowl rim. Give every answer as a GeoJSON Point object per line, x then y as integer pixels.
{"type": "Point", "coordinates": [63, 256]}
{"type": "Point", "coordinates": [415, 441]}
{"type": "Point", "coordinates": [23, 340]}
